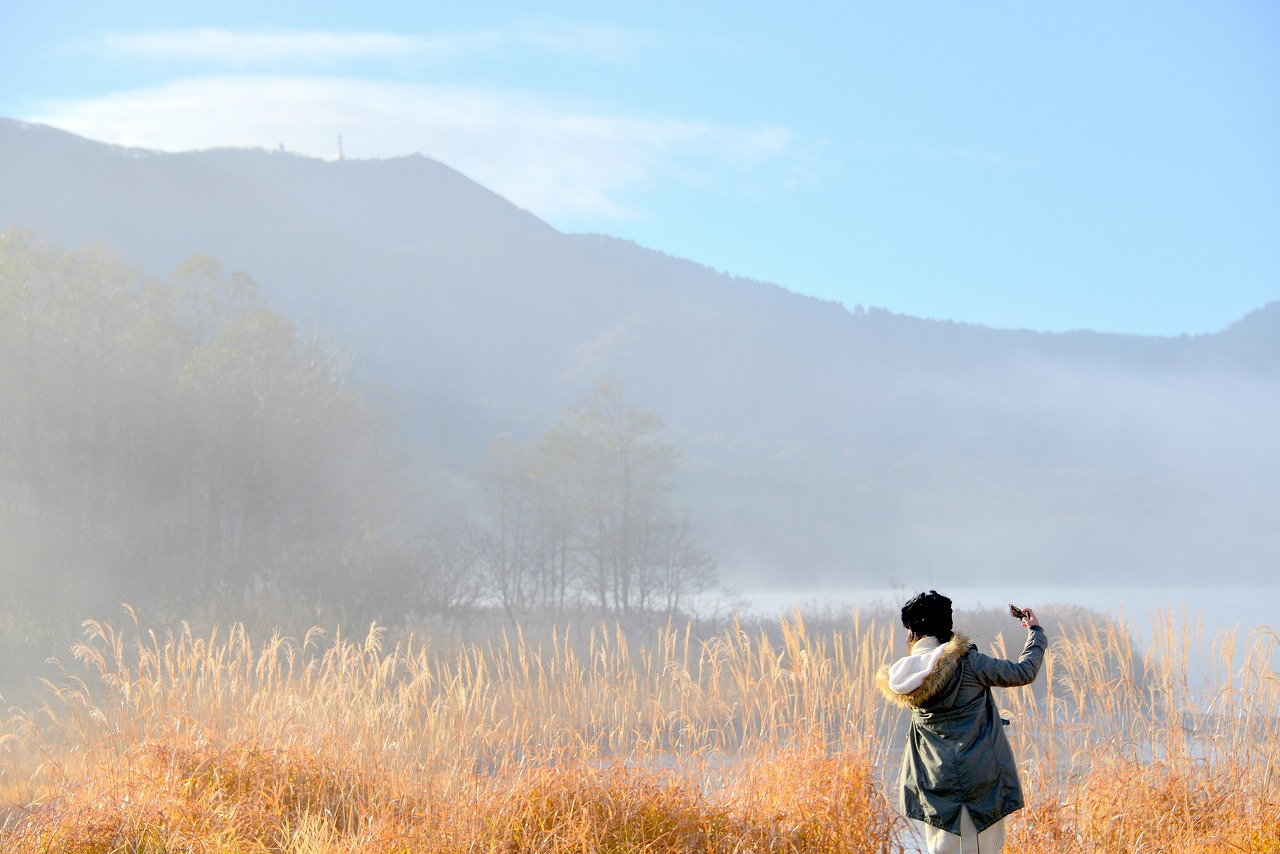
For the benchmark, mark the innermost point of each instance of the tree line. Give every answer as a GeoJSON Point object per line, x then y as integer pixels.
{"type": "Point", "coordinates": [176, 440]}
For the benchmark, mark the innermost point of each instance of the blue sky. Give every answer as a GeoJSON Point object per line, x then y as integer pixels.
{"type": "Point", "coordinates": [1092, 165]}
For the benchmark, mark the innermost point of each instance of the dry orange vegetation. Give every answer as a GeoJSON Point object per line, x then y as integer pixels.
{"type": "Point", "coordinates": [747, 742]}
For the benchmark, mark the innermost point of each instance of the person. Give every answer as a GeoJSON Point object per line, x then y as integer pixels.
{"type": "Point", "coordinates": [958, 780]}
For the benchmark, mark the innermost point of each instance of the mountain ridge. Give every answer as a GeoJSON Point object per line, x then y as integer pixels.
{"type": "Point", "coordinates": [365, 168]}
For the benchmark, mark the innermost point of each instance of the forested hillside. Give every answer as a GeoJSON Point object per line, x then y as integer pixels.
{"type": "Point", "coordinates": [820, 444]}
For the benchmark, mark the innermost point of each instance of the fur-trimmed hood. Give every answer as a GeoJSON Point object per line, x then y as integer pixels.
{"type": "Point", "coordinates": [925, 674]}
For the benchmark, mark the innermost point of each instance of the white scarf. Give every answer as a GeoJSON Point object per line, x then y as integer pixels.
{"type": "Point", "coordinates": [908, 673]}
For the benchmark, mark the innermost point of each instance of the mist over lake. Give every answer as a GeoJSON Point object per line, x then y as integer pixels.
{"type": "Point", "coordinates": [838, 445]}
{"type": "Point", "coordinates": [1219, 608]}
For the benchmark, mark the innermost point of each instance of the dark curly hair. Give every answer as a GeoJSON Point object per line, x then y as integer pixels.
{"type": "Point", "coordinates": [928, 615]}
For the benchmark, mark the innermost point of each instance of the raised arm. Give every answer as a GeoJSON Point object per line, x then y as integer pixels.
{"type": "Point", "coordinates": [1002, 673]}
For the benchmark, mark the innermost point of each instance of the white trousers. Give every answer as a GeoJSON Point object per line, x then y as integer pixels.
{"type": "Point", "coordinates": [970, 841]}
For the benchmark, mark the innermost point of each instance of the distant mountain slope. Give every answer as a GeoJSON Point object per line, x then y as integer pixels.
{"type": "Point", "coordinates": [817, 438]}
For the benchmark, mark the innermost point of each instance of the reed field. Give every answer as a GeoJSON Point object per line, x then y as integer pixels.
{"type": "Point", "coordinates": [755, 738]}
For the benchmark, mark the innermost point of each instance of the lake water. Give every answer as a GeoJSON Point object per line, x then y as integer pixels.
{"type": "Point", "coordinates": [1221, 607]}
{"type": "Point", "coordinates": [1215, 609]}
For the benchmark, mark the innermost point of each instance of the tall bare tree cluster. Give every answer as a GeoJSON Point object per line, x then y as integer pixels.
{"type": "Point", "coordinates": [582, 518]}
{"type": "Point", "coordinates": [166, 440]}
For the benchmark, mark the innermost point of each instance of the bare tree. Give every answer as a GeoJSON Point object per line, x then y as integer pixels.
{"type": "Point", "coordinates": [582, 516]}
{"type": "Point", "coordinates": [506, 544]}
{"type": "Point", "coordinates": [446, 563]}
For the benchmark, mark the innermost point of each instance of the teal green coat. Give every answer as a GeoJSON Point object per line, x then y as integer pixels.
{"type": "Point", "coordinates": [957, 753]}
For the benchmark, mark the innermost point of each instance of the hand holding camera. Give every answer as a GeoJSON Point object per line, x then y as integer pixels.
{"type": "Point", "coordinates": [1026, 615]}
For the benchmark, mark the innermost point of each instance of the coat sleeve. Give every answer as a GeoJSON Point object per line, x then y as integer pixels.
{"type": "Point", "coordinates": [1002, 673]}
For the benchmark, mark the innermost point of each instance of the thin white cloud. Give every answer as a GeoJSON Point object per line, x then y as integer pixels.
{"type": "Point", "coordinates": [593, 41]}
{"type": "Point", "coordinates": [552, 159]}
{"type": "Point", "coordinates": [237, 48]}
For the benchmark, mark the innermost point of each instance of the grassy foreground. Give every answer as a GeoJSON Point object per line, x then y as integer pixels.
{"type": "Point", "coordinates": [748, 742]}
